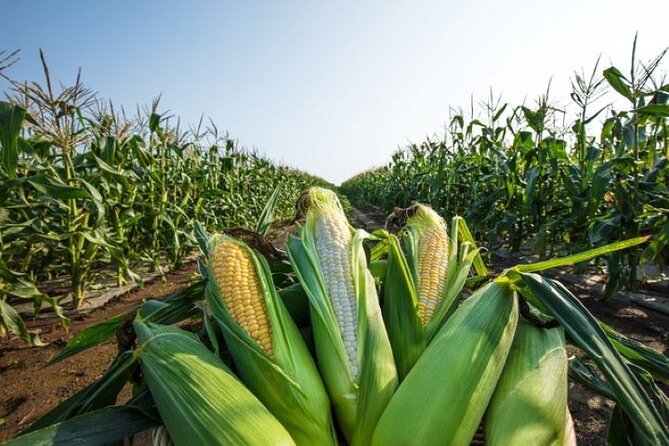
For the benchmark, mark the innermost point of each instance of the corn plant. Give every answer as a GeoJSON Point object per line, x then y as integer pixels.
{"type": "Point", "coordinates": [88, 193]}
{"type": "Point", "coordinates": [530, 177]}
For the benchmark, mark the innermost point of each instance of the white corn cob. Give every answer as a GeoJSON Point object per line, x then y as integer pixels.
{"type": "Point", "coordinates": [331, 264]}
{"type": "Point", "coordinates": [333, 245]}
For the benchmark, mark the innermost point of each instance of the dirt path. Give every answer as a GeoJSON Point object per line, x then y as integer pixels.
{"type": "Point", "coordinates": [29, 390]}
{"type": "Point", "coordinates": [365, 220]}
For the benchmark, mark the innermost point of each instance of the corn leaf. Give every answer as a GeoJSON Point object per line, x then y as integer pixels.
{"type": "Point", "coordinates": [581, 257]}
{"type": "Point", "coordinates": [11, 122]}
{"type": "Point", "coordinates": [620, 430]}
{"type": "Point", "coordinates": [267, 215]}
{"type": "Point", "coordinates": [102, 426]}
{"type": "Point", "coordinates": [581, 372]}
{"type": "Point", "coordinates": [405, 329]}
{"type": "Point", "coordinates": [586, 333]}
{"type": "Point", "coordinates": [96, 395]}
{"type": "Point", "coordinates": [651, 360]}
{"type": "Point", "coordinates": [168, 310]}
{"type": "Point", "coordinates": [90, 337]}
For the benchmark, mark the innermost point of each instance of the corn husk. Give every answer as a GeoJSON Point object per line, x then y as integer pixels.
{"type": "Point", "coordinates": [287, 381]}
{"type": "Point", "coordinates": [408, 329]}
{"type": "Point", "coordinates": [443, 398]}
{"type": "Point", "coordinates": [358, 397]}
{"type": "Point", "coordinates": [529, 405]}
{"type": "Point", "coordinates": [199, 399]}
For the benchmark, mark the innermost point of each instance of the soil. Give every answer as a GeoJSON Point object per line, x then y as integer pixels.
{"type": "Point", "coordinates": [29, 389]}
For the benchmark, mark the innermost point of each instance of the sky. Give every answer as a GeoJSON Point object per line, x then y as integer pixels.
{"type": "Point", "coordinates": [333, 88]}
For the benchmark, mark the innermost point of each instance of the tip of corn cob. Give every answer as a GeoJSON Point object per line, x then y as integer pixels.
{"type": "Point", "coordinates": [417, 214]}
{"type": "Point", "coordinates": [318, 198]}
{"type": "Point", "coordinates": [425, 216]}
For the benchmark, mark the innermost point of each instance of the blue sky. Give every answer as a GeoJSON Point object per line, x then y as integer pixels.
{"type": "Point", "coordinates": [331, 87]}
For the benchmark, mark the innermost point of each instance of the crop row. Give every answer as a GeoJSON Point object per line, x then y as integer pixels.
{"type": "Point", "coordinates": [86, 191]}
{"type": "Point", "coordinates": [534, 177]}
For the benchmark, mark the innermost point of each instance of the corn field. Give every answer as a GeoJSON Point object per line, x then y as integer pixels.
{"type": "Point", "coordinates": [359, 339]}
{"type": "Point", "coordinates": [88, 193]}
{"type": "Point", "coordinates": [324, 333]}
{"type": "Point", "coordinates": [550, 179]}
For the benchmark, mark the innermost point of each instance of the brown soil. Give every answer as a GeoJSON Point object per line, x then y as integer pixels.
{"type": "Point", "coordinates": [29, 390]}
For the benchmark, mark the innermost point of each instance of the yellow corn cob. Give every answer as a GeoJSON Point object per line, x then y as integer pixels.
{"type": "Point", "coordinates": [432, 266]}
{"type": "Point", "coordinates": [266, 346]}
{"type": "Point", "coordinates": [333, 245]}
{"type": "Point", "coordinates": [242, 294]}
{"type": "Point", "coordinates": [427, 241]}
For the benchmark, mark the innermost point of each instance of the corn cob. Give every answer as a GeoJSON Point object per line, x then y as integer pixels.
{"type": "Point", "coordinates": [331, 265]}
{"type": "Point", "coordinates": [443, 398]}
{"type": "Point", "coordinates": [529, 405]}
{"type": "Point", "coordinates": [439, 263]}
{"type": "Point", "coordinates": [234, 273]}
{"type": "Point", "coordinates": [432, 261]}
{"type": "Point", "coordinates": [198, 398]}
{"type": "Point", "coordinates": [421, 287]}
{"type": "Point", "coordinates": [333, 245]}
{"type": "Point", "coordinates": [265, 345]}
{"type": "Point", "coordinates": [426, 237]}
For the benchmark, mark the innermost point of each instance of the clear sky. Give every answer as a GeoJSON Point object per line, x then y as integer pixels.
{"type": "Point", "coordinates": [332, 87]}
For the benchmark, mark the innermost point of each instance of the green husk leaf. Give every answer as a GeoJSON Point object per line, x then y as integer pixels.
{"type": "Point", "coordinates": [289, 384]}
{"type": "Point", "coordinates": [102, 426]}
{"type": "Point", "coordinates": [529, 405]}
{"type": "Point", "coordinates": [444, 396]}
{"type": "Point", "coordinates": [400, 302]}
{"type": "Point", "coordinates": [198, 398]}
